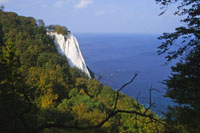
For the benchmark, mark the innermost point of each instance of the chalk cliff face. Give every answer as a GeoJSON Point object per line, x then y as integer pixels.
{"type": "Point", "coordinates": [68, 46]}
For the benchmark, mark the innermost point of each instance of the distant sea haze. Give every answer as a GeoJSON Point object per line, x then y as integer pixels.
{"type": "Point", "coordinates": [116, 57]}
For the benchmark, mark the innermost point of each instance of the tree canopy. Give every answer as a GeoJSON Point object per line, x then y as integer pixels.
{"type": "Point", "coordinates": [183, 86]}
{"type": "Point", "coordinates": [59, 29]}
{"type": "Point", "coordinates": [188, 34]}
{"type": "Point", "coordinates": [39, 92]}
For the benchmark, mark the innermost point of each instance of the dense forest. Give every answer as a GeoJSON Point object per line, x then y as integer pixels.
{"type": "Point", "coordinates": [40, 92]}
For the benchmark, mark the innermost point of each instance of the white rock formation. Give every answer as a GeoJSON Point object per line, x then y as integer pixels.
{"type": "Point", "coordinates": [68, 46]}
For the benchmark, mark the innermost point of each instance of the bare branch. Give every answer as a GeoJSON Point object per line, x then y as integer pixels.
{"type": "Point", "coordinates": [141, 114]}
{"type": "Point", "coordinates": [133, 78]}
{"type": "Point", "coordinates": [121, 88]}
{"type": "Point", "coordinates": [112, 113]}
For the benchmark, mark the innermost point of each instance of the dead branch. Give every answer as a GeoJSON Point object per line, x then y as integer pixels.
{"type": "Point", "coordinates": [121, 88]}
{"type": "Point", "coordinates": [112, 113]}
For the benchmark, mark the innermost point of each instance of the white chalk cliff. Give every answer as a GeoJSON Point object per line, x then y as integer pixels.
{"type": "Point", "coordinates": [68, 46]}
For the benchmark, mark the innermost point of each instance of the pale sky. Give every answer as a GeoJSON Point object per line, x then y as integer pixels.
{"type": "Point", "coordinates": [98, 16]}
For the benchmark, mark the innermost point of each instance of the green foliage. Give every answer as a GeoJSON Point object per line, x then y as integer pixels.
{"type": "Point", "coordinates": [39, 92]}
{"type": "Point", "coordinates": [189, 33]}
{"type": "Point", "coordinates": [59, 29]}
{"type": "Point", "coordinates": [186, 79]}
{"type": "Point", "coordinates": [183, 86]}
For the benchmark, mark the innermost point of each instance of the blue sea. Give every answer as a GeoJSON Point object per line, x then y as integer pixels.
{"type": "Point", "coordinates": [114, 58]}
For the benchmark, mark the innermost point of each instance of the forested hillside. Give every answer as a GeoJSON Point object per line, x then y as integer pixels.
{"type": "Point", "coordinates": [39, 92]}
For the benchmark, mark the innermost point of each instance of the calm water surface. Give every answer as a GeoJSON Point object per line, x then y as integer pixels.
{"type": "Point", "coordinates": [116, 57]}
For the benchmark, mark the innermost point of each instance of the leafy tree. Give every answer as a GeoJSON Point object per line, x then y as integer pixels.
{"type": "Point", "coordinates": [189, 34]}
{"type": "Point", "coordinates": [2, 8]}
{"type": "Point", "coordinates": [183, 86]}
{"type": "Point", "coordinates": [41, 22]}
{"type": "Point", "coordinates": [59, 29]}
{"type": "Point", "coordinates": [39, 92]}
